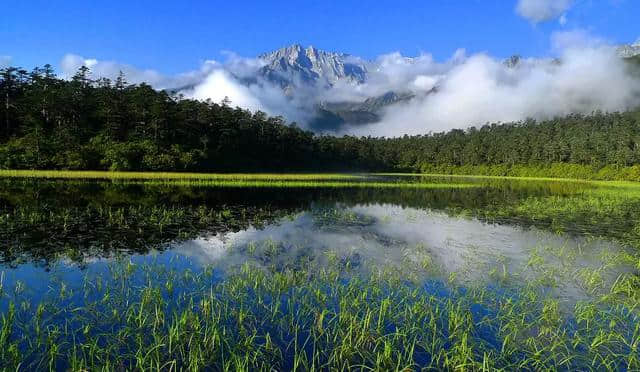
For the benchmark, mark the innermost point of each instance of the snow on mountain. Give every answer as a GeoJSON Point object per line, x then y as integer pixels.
{"type": "Point", "coordinates": [629, 50]}
{"type": "Point", "coordinates": [293, 66]}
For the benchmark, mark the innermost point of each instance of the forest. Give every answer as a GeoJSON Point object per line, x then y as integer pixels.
{"type": "Point", "coordinates": [80, 123]}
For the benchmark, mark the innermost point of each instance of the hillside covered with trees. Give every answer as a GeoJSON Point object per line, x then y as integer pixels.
{"type": "Point", "coordinates": [52, 123]}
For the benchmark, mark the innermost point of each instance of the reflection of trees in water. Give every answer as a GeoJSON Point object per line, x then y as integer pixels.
{"type": "Point", "coordinates": [42, 220]}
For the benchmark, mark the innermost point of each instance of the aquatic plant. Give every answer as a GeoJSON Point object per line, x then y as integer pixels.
{"type": "Point", "coordinates": [153, 317]}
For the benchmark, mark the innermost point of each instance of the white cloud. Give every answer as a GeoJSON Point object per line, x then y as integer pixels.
{"type": "Point", "coordinates": [238, 81]}
{"type": "Point", "coordinates": [481, 89]}
{"type": "Point", "coordinates": [542, 10]}
{"type": "Point", "coordinates": [70, 64]}
{"type": "Point", "coordinates": [392, 72]}
{"type": "Point", "coordinates": [575, 39]}
{"type": "Point", "coordinates": [220, 85]}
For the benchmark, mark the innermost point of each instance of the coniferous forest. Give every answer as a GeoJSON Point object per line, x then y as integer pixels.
{"type": "Point", "coordinates": [53, 123]}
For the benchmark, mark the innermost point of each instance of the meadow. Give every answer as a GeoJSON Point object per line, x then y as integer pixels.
{"type": "Point", "coordinates": [180, 271]}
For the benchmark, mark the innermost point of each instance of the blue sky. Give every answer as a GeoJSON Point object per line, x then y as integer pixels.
{"type": "Point", "coordinates": [174, 36]}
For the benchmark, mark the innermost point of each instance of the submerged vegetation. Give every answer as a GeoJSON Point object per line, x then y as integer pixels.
{"type": "Point", "coordinates": [42, 219]}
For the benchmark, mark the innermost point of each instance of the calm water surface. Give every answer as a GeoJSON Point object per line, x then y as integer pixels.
{"type": "Point", "coordinates": [63, 227]}
{"type": "Point", "coordinates": [500, 234]}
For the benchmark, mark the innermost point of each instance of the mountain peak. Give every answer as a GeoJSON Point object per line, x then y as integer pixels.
{"type": "Point", "coordinates": [293, 64]}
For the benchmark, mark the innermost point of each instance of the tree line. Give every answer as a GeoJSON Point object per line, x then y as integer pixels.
{"type": "Point", "coordinates": [81, 123]}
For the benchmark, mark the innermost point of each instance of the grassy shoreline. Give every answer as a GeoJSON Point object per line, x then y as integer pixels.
{"type": "Point", "coordinates": [607, 183]}
{"type": "Point", "coordinates": [238, 180]}
{"type": "Point", "coordinates": [172, 175]}
{"type": "Point", "coordinates": [555, 172]}
{"type": "Point", "coordinates": [565, 171]}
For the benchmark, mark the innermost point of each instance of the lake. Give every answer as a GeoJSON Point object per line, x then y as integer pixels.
{"type": "Point", "coordinates": [383, 272]}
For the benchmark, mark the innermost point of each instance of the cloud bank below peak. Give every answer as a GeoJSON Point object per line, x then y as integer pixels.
{"type": "Point", "coordinates": [483, 89]}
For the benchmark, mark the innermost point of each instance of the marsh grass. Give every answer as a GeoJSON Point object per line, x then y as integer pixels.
{"type": "Point", "coordinates": [508, 178]}
{"type": "Point", "coordinates": [237, 180]}
{"type": "Point", "coordinates": [173, 175]}
{"type": "Point", "coordinates": [44, 233]}
{"type": "Point", "coordinates": [149, 316]}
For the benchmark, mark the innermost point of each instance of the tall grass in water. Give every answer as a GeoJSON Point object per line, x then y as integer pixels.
{"type": "Point", "coordinates": [152, 317]}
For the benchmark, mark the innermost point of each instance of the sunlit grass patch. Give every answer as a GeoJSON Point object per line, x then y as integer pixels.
{"type": "Point", "coordinates": [275, 183]}
{"type": "Point", "coordinates": [238, 180]}
{"type": "Point", "coordinates": [174, 175]}
{"type": "Point", "coordinates": [443, 175]}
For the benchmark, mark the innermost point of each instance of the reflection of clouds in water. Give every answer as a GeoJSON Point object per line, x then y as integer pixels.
{"type": "Point", "coordinates": [395, 236]}
{"type": "Point", "coordinates": [473, 249]}
{"type": "Point", "coordinates": [454, 241]}
{"type": "Point", "coordinates": [204, 250]}
{"type": "Point", "coordinates": [299, 237]}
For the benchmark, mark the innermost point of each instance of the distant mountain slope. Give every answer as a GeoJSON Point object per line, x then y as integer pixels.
{"type": "Point", "coordinates": [334, 114]}
{"type": "Point", "coordinates": [629, 50]}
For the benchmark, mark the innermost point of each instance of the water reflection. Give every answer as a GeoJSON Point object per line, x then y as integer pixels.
{"type": "Point", "coordinates": [49, 225]}
{"type": "Point", "coordinates": [422, 242]}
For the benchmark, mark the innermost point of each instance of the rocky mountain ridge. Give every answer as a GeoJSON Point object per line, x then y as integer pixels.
{"type": "Point", "coordinates": [295, 65]}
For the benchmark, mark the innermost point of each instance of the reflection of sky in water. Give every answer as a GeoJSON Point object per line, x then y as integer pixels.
{"type": "Point", "coordinates": [419, 242]}
{"type": "Point", "coordinates": [391, 236]}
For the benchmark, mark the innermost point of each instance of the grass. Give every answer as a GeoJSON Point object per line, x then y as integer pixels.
{"type": "Point", "coordinates": [610, 172]}
{"type": "Point", "coordinates": [148, 316]}
{"type": "Point", "coordinates": [173, 175]}
{"type": "Point", "coordinates": [238, 180]}
{"type": "Point", "coordinates": [629, 184]}
{"type": "Point", "coordinates": [313, 184]}
{"type": "Point", "coordinates": [277, 179]}
{"type": "Point", "coordinates": [43, 233]}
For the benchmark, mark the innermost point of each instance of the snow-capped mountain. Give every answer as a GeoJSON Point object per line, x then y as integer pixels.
{"type": "Point", "coordinates": [297, 68]}
{"type": "Point", "coordinates": [293, 66]}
